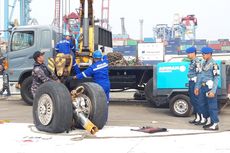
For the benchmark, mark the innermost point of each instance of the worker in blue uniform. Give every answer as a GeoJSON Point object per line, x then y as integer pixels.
{"type": "Point", "coordinates": [66, 46]}
{"type": "Point", "coordinates": [99, 71]}
{"type": "Point", "coordinates": [207, 87]}
{"type": "Point", "coordinates": [194, 70]}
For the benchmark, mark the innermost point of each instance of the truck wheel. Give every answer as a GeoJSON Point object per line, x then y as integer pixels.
{"type": "Point", "coordinates": [26, 90]}
{"type": "Point", "coordinates": [52, 108]}
{"type": "Point", "coordinates": [93, 103]}
{"type": "Point", "coordinates": [180, 106]}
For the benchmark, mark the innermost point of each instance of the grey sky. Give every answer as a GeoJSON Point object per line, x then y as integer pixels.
{"type": "Point", "coordinates": [212, 15]}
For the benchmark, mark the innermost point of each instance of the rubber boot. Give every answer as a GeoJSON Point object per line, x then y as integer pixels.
{"type": "Point", "coordinates": [212, 127]}
{"type": "Point", "coordinates": [202, 120]}
{"type": "Point", "coordinates": [208, 123]}
{"type": "Point", "coordinates": [196, 120]}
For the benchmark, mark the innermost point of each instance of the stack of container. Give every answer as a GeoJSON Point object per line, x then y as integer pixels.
{"type": "Point", "coordinates": [215, 45]}
{"type": "Point", "coordinates": [128, 52]}
{"type": "Point", "coordinates": [173, 46]}
{"type": "Point", "coordinates": [149, 40]}
{"type": "Point", "coordinates": [120, 40]}
{"type": "Point", "coordinates": [131, 42]}
{"type": "Point", "coordinates": [184, 45]}
{"type": "Point", "coordinates": [225, 45]}
{"type": "Point", "coordinates": [199, 44]}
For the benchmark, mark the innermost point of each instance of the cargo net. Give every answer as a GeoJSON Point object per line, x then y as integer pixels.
{"type": "Point", "coordinates": [117, 59]}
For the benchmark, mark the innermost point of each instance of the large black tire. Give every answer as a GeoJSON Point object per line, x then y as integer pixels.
{"type": "Point", "coordinates": [180, 106]}
{"type": "Point", "coordinates": [53, 101]}
{"type": "Point", "coordinates": [26, 90]}
{"type": "Point", "coordinates": [99, 110]}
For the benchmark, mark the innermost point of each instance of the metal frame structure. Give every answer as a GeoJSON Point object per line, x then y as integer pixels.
{"type": "Point", "coordinates": [24, 14]}
{"type": "Point", "coordinates": [105, 14]}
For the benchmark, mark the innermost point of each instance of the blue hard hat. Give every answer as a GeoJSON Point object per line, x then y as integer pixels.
{"type": "Point", "coordinates": [97, 54]}
{"type": "Point", "coordinates": [206, 50]}
{"type": "Point", "coordinates": [191, 50]}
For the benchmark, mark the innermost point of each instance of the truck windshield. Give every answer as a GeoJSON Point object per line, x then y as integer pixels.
{"type": "Point", "coordinates": [22, 40]}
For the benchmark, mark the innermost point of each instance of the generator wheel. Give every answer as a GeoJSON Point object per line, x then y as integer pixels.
{"type": "Point", "coordinates": [52, 108]}
{"type": "Point", "coordinates": [180, 105]}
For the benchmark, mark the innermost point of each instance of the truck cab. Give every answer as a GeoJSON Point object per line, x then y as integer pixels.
{"type": "Point", "coordinates": [23, 42]}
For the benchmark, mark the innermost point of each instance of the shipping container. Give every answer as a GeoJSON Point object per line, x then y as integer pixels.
{"type": "Point", "coordinates": [184, 47]}
{"type": "Point", "coordinates": [126, 50]}
{"type": "Point", "coordinates": [149, 40]}
{"type": "Point", "coordinates": [200, 42]}
{"type": "Point", "coordinates": [120, 37]}
{"type": "Point", "coordinates": [223, 40]}
{"type": "Point", "coordinates": [172, 49]}
{"type": "Point", "coordinates": [225, 48]}
{"type": "Point", "coordinates": [213, 42]}
{"type": "Point", "coordinates": [199, 47]}
{"type": "Point", "coordinates": [216, 47]}
{"type": "Point", "coordinates": [119, 42]}
{"type": "Point", "coordinates": [187, 42]}
{"type": "Point", "coordinates": [151, 51]}
{"type": "Point", "coordinates": [225, 43]}
{"type": "Point", "coordinates": [174, 42]}
{"type": "Point", "coordinates": [132, 42]}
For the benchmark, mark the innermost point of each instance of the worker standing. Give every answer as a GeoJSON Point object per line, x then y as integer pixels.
{"type": "Point", "coordinates": [194, 70]}
{"type": "Point", "coordinates": [5, 77]}
{"type": "Point", "coordinates": [40, 72]}
{"type": "Point", "coordinates": [67, 47]}
{"type": "Point", "coordinates": [207, 87]}
{"type": "Point", "coordinates": [99, 70]}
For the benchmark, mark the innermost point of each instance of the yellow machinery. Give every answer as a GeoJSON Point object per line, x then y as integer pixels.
{"type": "Point", "coordinates": [87, 31]}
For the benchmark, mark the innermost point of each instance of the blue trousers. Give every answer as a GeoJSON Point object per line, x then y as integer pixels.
{"type": "Point", "coordinates": [106, 87]}
{"type": "Point", "coordinates": [193, 97]}
{"type": "Point", "coordinates": [209, 106]}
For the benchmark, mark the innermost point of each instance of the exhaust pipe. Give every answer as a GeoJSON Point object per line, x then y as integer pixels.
{"type": "Point", "coordinates": [86, 27]}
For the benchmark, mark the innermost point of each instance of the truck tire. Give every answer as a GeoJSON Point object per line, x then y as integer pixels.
{"type": "Point", "coordinates": [99, 108]}
{"type": "Point", "coordinates": [26, 90]}
{"type": "Point", "coordinates": [180, 105]}
{"type": "Point", "coordinates": [52, 108]}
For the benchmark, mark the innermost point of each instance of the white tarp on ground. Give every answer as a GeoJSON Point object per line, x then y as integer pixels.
{"type": "Point", "coordinates": [24, 138]}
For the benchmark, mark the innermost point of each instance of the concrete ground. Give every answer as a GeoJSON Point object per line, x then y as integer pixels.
{"type": "Point", "coordinates": [121, 113]}
{"type": "Point", "coordinates": [20, 135]}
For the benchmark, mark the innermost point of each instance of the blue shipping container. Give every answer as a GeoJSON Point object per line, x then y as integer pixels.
{"type": "Point", "coordinates": [187, 42]}
{"type": "Point", "coordinates": [149, 40]}
{"type": "Point", "coordinates": [126, 50]}
{"type": "Point", "coordinates": [175, 42]}
{"type": "Point", "coordinates": [200, 42]}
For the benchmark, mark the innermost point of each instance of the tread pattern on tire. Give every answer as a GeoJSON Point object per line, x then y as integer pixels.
{"type": "Point", "coordinates": [62, 105]}
{"type": "Point", "coordinates": [99, 112]}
